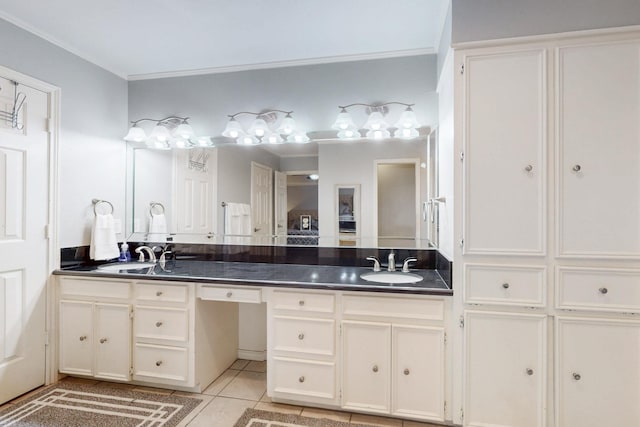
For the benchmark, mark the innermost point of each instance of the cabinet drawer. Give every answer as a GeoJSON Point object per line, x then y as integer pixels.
{"type": "Point", "coordinates": [304, 302]}
{"type": "Point", "coordinates": [402, 308]}
{"type": "Point", "coordinates": [505, 285]}
{"type": "Point", "coordinates": [304, 378]}
{"type": "Point", "coordinates": [160, 364]}
{"type": "Point", "coordinates": [148, 291]}
{"type": "Point", "coordinates": [159, 323]}
{"type": "Point", "coordinates": [311, 336]}
{"type": "Point", "coordinates": [94, 288]}
{"type": "Point", "coordinates": [598, 289]}
{"type": "Point", "coordinates": [230, 293]}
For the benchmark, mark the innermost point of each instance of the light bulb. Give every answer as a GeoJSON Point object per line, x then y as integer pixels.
{"type": "Point", "coordinates": [160, 133]}
{"type": "Point", "coordinates": [349, 133]}
{"type": "Point", "coordinates": [378, 134]}
{"type": "Point", "coordinates": [376, 121]}
{"type": "Point", "coordinates": [258, 128]}
{"type": "Point", "coordinates": [343, 121]}
{"type": "Point", "coordinates": [298, 137]}
{"type": "Point", "coordinates": [287, 126]}
{"type": "Point", "coordinates": [248, 140]}
{"type": "Point", "coordinates": [407, 120]}
{"type": "Point", "coordinates": [233, 129]}
{"type": "Point", "coordinates": [406, 133]}
{"type": "Point", "coordinates": [184, 131]}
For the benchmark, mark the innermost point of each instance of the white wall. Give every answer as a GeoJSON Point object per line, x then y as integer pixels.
{"type": "Point", "coordinates": [93, 121]}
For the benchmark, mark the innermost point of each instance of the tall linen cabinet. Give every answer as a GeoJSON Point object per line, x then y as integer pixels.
{"type": "Point", "coordinates": [548, 135]}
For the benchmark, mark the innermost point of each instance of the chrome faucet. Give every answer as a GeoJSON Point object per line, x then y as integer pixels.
{"type": "Point", "coordinates": [392, 261]}
{"type": "Point", "coordinates": [376, 263]}
{"type": "Point", "coordinates": [142, 249]}
{"type": "Point", "coordinates": [405, 265]}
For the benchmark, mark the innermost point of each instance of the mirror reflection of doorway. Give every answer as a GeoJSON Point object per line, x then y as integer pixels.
{"type": "Point", "coordinates": [398, 201]}
{"type": "Point", "coordinates": [302, 208]}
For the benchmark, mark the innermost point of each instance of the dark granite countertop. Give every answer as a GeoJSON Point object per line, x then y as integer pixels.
{"type": "Point", "coordinates": [273, 275]}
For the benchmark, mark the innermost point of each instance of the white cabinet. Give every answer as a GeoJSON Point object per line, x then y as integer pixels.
{"type": "Point", "coordinates": [505, 369]}
{"type": "Point", "coordinates": [598, 100]}
{"type": "Point", "coordinates": [597, 372]}
{"type": "Point", "coordinates": [95, 339]}
{"type": "Point", "coordinates": [504, 143]}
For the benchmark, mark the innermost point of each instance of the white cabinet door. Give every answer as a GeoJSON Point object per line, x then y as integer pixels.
{"type": "Point", "coordinates": [366, 375]}
{"type": "Point", "coordinates": [597, 373]}
{"type": "Point", "coordinates": [599, 149]}
{"type": "Point", "coordinates": [505, 131]}
{"type": "Point", "coordinates": [505, 370]}
{"type": "Point", "coordinates": [418, 372]}
{"type": "Point", "coordinates": [76, 337]}
{"type": "Point", "coordinates": [112, 341]}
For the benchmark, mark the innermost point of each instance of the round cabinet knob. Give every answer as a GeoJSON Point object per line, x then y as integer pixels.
{"type": "Point", "coordinates": [576, 376]}
{"type": "Point", "coordinates": [375, 368]}
{"type": "Point", "coordinates": [407, 372]}
{"type": "Point", "coordinates": [301, 379]}
{"type": "Point", "coordinates": [229, 294]}
{"type": "Point", "coordinates": [159, 362]}
{"type": "Point", "coordinates": [103, 340]}
{"type": "Point", "coordinates": [83, 338]}
{"type": "Point", "coordinates": [603, 290]}
{"type": "Point", "coordinates": [158, 324]}
{"type": "Point", "coordinates": [505, 285]}
{"type": "Point", "coordinates": [529, 371]}
{"type": "Point", "coordinates": [528, 168]}
{"type": "Point", "coordinates": [301, 336]}
{"type": "Point", "coordinates": [159, 293]}
{"type": "Point", "coordinates": [577, 168]}
{"type": "Point", "coordinates": [301, 303]}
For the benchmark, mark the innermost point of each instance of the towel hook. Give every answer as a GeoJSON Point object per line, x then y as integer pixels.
{"type": "Point", "coordinates": [96, 202]}
{"type": "Point", "coordinates": [153, 205]}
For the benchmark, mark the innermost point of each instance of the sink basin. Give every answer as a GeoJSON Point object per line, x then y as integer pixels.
{"type": "Point", "coordinates": [391, 277]}
{"type": "Point", "coordinates": [125, 266]}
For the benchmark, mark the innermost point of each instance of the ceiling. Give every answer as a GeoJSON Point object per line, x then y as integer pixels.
{"type": "Point", "coordinates": [139, 39]}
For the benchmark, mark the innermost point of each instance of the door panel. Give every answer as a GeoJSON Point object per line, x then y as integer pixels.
{"type": "Point", "coordinates": [261, 200]}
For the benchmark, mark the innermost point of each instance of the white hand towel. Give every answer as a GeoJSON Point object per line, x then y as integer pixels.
{"type": "Point", "coordinates": [237, 219]}
{"type": "Point", "coordinates": [104, 244]}
{"type": "Point", "coordinates": [157, 228]}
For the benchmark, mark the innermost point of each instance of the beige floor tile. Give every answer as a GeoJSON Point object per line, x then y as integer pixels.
{"type": "Point", "coordinates": [255, 366]}
{"type": "Point", "coordinates": [196, 411]}
{"type": "Point", "coordinates": [326, 413]}
{"type": "Point", "coordinates": [375, 421]}
{"type": "Point", "coordinates": [221, 412]}
{"type": "Point", "coordinates": [79, 380]}
{"type": "Point", "coordinates": [246, 385]}
{"type": "Point", "coordinates": [239, 364]}
{"type": "Point", "coordinates": [221, 382]}
{"type": "Point", "coordinates": [116, 385]}
{"type": "Point", "coordinates": [279, 407]}
{"type": "Point", "coordinates": [407, 423]}
{"type": "Point", "coordinates": [265, 398]}
{"type": "Point", "coordinates": [153, 390]}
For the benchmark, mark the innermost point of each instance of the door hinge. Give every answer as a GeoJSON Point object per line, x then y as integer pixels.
{"type": "Point", "coordinates": [462, 156]}
{"type": "Point", "coordinates": [49, 124]}
{"type": "Point", "coordinates": [445, 406]}
{"type": "Point", "coordinates": [461, 414]}
{"type": "Point", "coordinates": [462, 69]}
{"type": "Point", "coordinates": [131, 314]}
{"type": "Point", "coordinates": [462, 243]}
{"type": "Point", "coordinates": [47, 231]}
{"type": "Point", "coordinates": [131, 371]}
{"type": "Point", "coordinates": [445, 338]}
{"type": "Point", "coordinates": [461, 321]}
{"type": "Point", "coordinates": [46, 338]}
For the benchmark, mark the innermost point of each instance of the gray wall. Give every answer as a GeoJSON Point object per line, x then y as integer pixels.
{"type": "Point", "coordinates": [93, 121]}
{"type": "Point", "coordinates": [445, 41]}
{"type": "Point", "coordinates": [493, 19]}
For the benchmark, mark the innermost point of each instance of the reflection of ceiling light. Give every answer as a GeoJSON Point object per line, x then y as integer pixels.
{"type": "Point", "coordinates": [263, 129]}
{"type": "Point", "coordinates": [405, 128]}
{"type": "Point", "coordinates": [161, 136]}
{"type": "Point", "coordinates": [313, 177]}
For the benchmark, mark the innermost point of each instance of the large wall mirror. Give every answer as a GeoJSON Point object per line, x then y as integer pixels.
{"type": "Point", "coordinates": [324, 193]}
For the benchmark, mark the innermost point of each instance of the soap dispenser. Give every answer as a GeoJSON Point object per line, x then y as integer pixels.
{"type": "Point", "coordinates": [125, 255]}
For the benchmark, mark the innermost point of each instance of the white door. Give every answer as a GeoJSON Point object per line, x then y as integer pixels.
{"type": "Point", "coordinates": [505, 370]}
{"type": "Point", "coordinates": [24, 207]}
{"type": "Point", "coordinates": [194, 208]}
{"type": "Point", "coordinates": [281, 206]}
{"type": "Point", "coordinates": [76, 337]}
{"type": "Point", "coordinates": [261, 199]}
{"type": "Point", "coordinates": [597, 373]}
{"type": "Point", "coordinates": [112, 341]}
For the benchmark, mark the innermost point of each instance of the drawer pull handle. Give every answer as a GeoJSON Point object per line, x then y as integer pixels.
{"type": "Point", "coordinates": [229, 294]}
{"type": "Point", "coordinates": [301, 379]}
{"type": "Point", "coordinates": [103, 340]}
{"type": "Point", "coordinates": [301, 336]}
{"type": "Point", "coordinates": [158, 324]}
{"type": "Point", "coordinates": [577, 168]}
{"type": "Point", "coordinates": [159, 293]}
{"type": "Point", "coordinates": [528, 168]}
{"type": "Point", "coordinates": [406, 372]}
{"type": "Point", "coordinates": [301, 303]}
{"type": "Point", "coordinates": [603, 290]}
{"type": "Point", "coordinates": [83, 338]}
{"type": "Point", "coordinates": [576, 376]}
{"type": "Point", "coordinates": [529, 371]}
{"type": "Point", "coordinates": [375, 368]}
{"type": "Point", "coordinates": [159, 362]}
{"type": "Point", "coordinates": [505, 285]}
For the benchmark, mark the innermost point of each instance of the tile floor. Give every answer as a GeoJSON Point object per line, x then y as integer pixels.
{"type": "Point", "coordinates": [244, 386]}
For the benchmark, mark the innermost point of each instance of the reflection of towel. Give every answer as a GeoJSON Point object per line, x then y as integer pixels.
{"type": "Point", "coordinates": [237, 219]}
{"type": "Point", "coordinates": [104, 244]}
{"type": "Point", "coordinates": [157, 228]}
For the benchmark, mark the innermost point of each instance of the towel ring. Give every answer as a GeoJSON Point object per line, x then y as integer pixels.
{"type": "Point", "coordinates": [153, 205]}
{"type": "Point", "coordinates": [96, 202]}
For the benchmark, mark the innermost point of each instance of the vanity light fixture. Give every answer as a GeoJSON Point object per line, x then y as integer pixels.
{"type": "Point", "coordinates": [170, 132]}
{"type": "Point", "coordinates": [263, 129]}
{"type": "Point", "coordinates": [376, 125]}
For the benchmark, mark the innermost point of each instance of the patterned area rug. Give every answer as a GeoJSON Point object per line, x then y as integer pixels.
{"type": "Point", "coordinates": [81, 405]}
{"type": "Point", "coordinates": [258, 418]}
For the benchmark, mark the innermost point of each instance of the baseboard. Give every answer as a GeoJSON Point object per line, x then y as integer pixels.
{"type": "Point", "coordinates": [257, 355]}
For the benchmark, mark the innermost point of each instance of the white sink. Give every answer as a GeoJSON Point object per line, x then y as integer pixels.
{"type": "Point", "coordinates": [391, 277]}
{"type": "Point", "coordinates": [125, 266]}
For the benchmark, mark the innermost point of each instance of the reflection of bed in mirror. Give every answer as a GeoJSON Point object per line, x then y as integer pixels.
{"type": "Point", "coordinates": [302, 227]}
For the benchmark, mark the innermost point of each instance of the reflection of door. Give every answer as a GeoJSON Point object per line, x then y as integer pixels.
{"type": "Point", "coordinates": [24, 197]}
{"type": "Point", "coordinates": [281, 204]}
{"type": "Point", "coordinates": [261, 199]}
{"type": "Point", "coordinates": [194, 208]}
{"type": "Point", "coordinates": [431, 208]}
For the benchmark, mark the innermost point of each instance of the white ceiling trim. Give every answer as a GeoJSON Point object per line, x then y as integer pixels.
{"type": "Point", "coordinates": [47, 37]}
{"type": "Point", "coordinates": [281, 64]}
